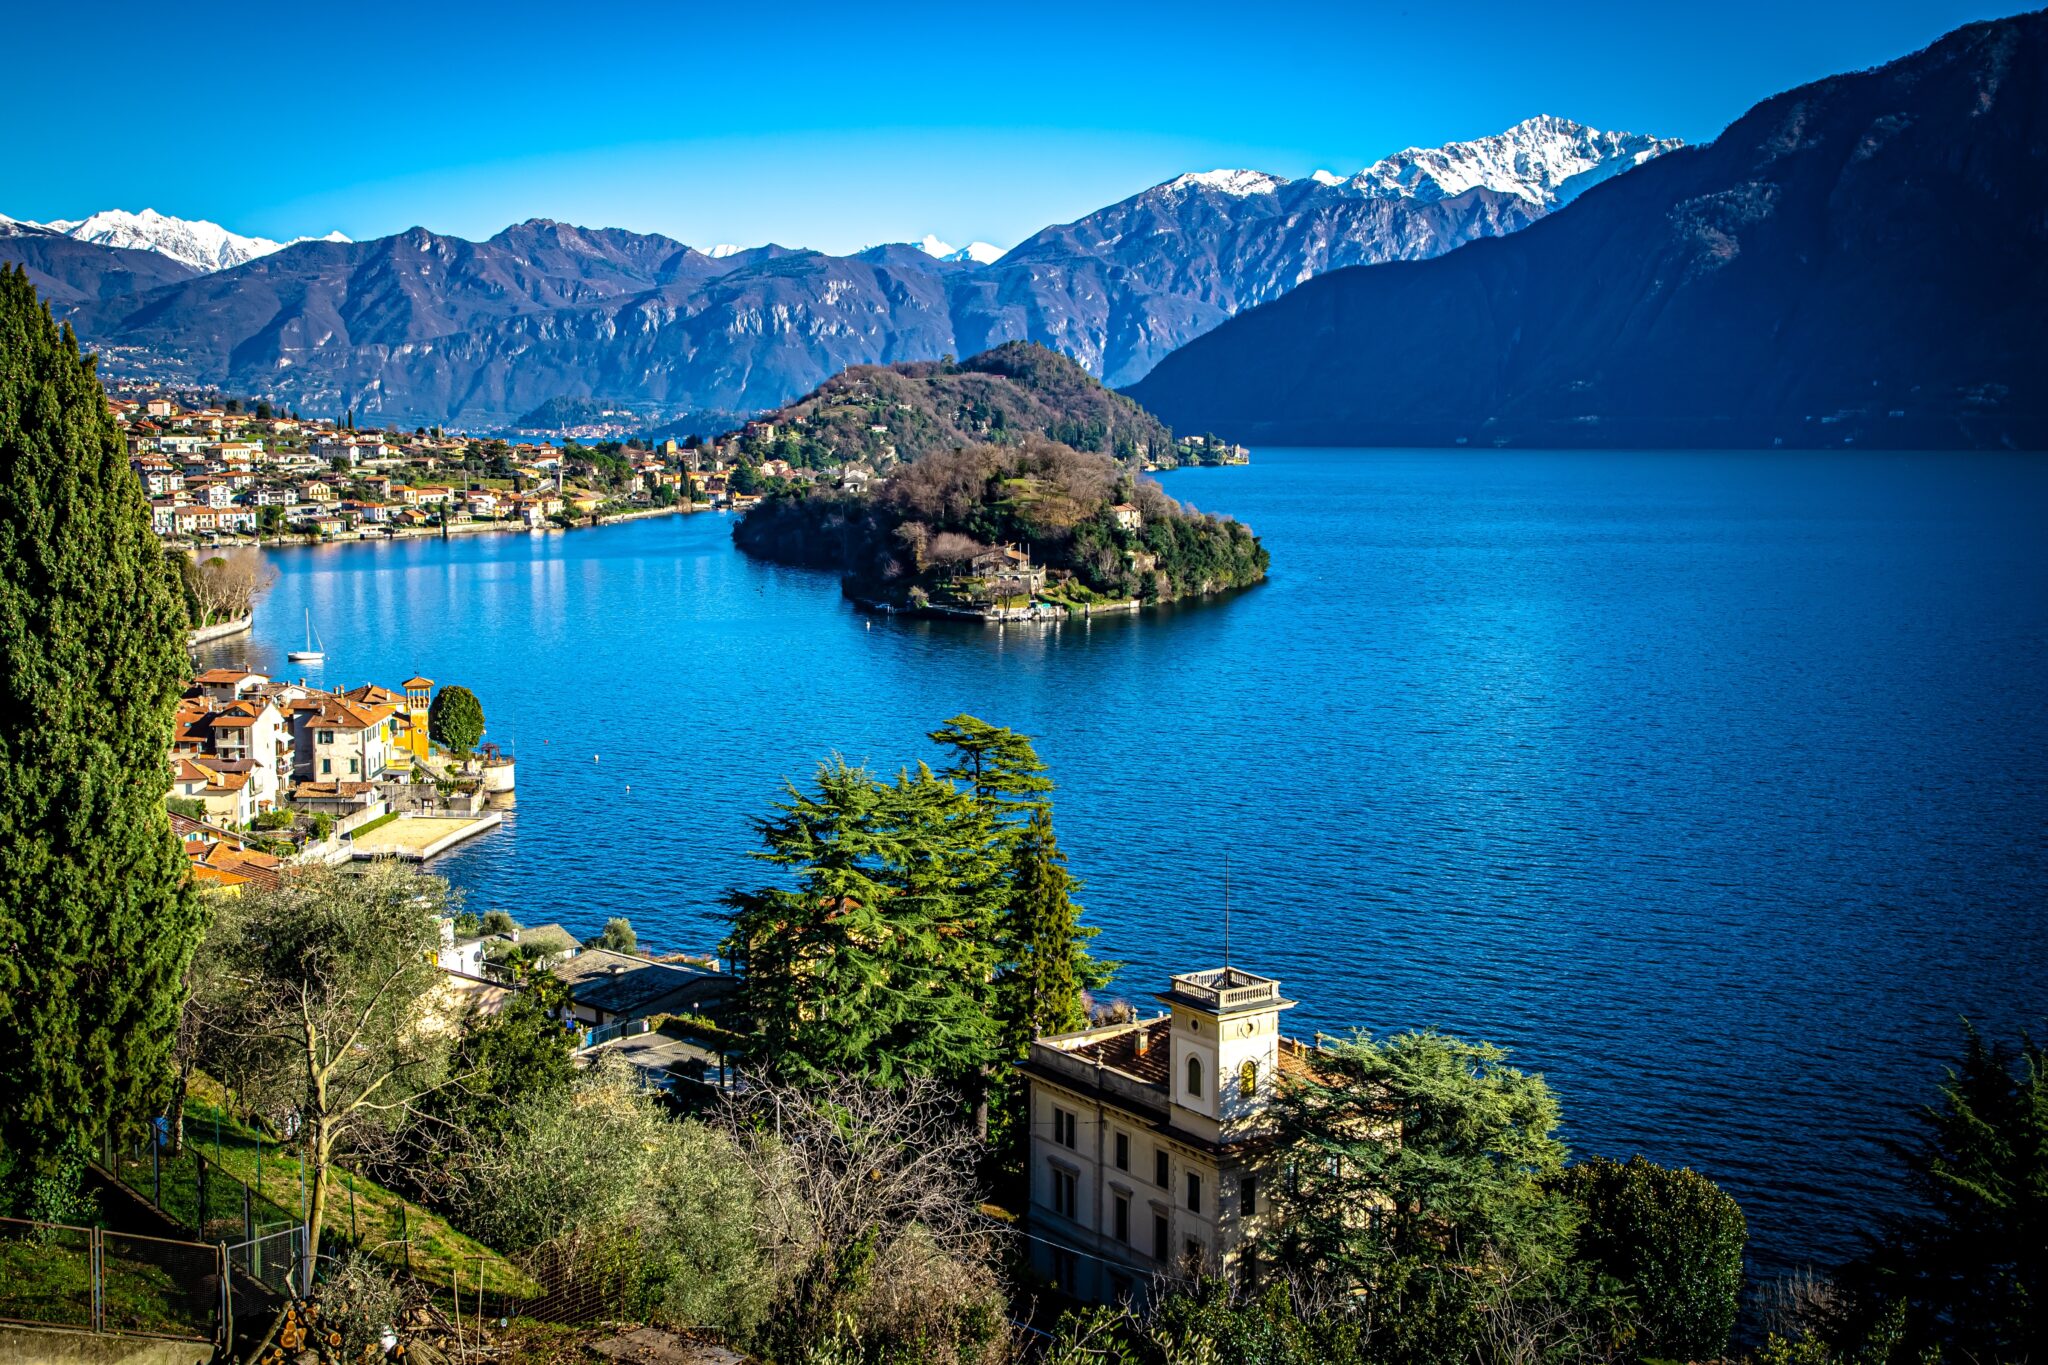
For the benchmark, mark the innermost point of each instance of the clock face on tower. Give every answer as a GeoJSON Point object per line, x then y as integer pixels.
{"type": "Point", "coordinates": [1247, 1028]}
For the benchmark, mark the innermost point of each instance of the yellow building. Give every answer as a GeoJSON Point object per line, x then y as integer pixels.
{"type": "Point", "coordinates": [419, 697]}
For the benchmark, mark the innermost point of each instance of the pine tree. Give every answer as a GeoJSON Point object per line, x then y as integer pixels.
{"type": "Point", "coordinates": [97, 922]}
{"type": "Point", "coordinates": [881, 963]}
{"type": "Point", "coordinates": [1000, 767]}
{"type": "Point", "coordinates": [1003, 771]}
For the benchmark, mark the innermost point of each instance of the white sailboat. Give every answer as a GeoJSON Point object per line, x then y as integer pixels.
{"type": "Point", "coordinates": [315, 650]}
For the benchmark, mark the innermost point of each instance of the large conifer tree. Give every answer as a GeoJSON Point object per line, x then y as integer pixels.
{"type": "Point", "coordinates": [97, 921]}
{"type": "Point", "coordinates": [881, 962]}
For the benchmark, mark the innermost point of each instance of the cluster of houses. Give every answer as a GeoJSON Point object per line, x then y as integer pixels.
{"type": "Point", "coordinates": [615, 1003]}
{"type": "Point", "coordinates": [244, 744]}
{"type": "Point", "coordinates": [212, 473]}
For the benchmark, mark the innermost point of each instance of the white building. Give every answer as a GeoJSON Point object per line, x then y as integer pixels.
{"type": "Point", "coordinates": [1145, 1151]}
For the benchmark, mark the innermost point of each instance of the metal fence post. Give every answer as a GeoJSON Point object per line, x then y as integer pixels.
{"type": "Point", "coordinates": [224, 1328]}
{"type": "Point", "coordinates": [96, 1269]}
{"type": "Point", "coordinates": [248, 1216]}
{"type": "Point", "coordinates": [156, 1178]}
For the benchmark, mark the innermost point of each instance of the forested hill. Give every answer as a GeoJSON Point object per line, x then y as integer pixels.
{"type": "Point", "coordinates": [888, 414]}
{"type": "Point", "coordinates": [937, 532]}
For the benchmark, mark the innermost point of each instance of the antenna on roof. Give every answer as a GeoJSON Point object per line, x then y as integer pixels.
{"type": "Point", "coordinates": [1226, 917]}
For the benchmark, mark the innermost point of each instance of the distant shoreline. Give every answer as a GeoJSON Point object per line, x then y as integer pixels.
{"type": "Point", "coordinates": [468, 528]}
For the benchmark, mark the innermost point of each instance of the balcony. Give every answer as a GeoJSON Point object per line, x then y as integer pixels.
{"type": "Point", "coordinates": [1227, 988]}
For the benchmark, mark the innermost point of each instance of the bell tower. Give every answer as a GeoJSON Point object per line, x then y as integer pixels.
{"type": "Point", "coordinates": [1226, 1046]}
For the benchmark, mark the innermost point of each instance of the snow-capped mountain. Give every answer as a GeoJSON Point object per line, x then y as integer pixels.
{"type": "Point", "coordinates": [723, 250]}
{"type": "Point", "coordinates": [1237, 184]}
{"type": "Point", "coordinates": [204, 246]}
{"type": "Point", "coordinates": [974, 253]}
{"type": "Point", "coordinates": [1546, 160]}
{"type": "Point", "coordinates": [1125, 285]}
{"type": "Point", "coordinates": [547, 309]}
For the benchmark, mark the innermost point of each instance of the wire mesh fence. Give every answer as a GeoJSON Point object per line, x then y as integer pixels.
{"type": "Point", "coordinates": [272, 1260]}
{"type": "Point", "coordinates": [46, 1274]}
{"type": "Point", "coordinates": [53, 1275]}
{"type": "Point", "coordinates": [151, 1286]}
{"type": "Point", "coordinates": [197, 1192]}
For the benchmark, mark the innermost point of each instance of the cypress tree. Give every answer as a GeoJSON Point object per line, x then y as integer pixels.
{"type": "Point", "coordinates": [1043, 987]}
{"type": "Point", "coordinates": [97, 920]}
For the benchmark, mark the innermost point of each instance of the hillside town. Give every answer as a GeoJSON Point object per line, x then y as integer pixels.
{"type": "Point", "coordinates": [219, 471]}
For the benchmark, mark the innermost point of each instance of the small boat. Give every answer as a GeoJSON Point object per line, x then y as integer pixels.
{"type": "Point", "coordinates": [316, 648]}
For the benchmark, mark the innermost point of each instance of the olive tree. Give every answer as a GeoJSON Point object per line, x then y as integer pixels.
{"type": "Point", "coordinates": [320, 1005]}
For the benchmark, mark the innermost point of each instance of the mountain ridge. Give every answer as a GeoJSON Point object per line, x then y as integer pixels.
{"type": "Point", "coordinates": [422, 327]}
{"type": "Point", "coordinates": [1853, 261]}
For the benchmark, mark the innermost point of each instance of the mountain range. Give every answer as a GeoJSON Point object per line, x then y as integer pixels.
{"type": "Point", "coordinates": [423, 327]}
{"type": "Point", "coordinates": [199, 244]}
{"type": "Point", "coordinates": [1863, 259]}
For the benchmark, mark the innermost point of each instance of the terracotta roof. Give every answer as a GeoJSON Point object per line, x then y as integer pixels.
{"type": "Point", "coordinates": [1120, 1052]}
{"type": "Point", "coordinates": [417, 682]}
{"type": "Point", "coordinates": [1294, 1063]}
{"type": "Point", "coordinates": [323, 789]}
{"type": "Point", "coordinates": [225, 675]}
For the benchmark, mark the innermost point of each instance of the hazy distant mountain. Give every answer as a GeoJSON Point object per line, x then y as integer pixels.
{"type": "Point", "coordinates": [975, 253]}
{"type": "Point", "coordinates": [420, 327]}
{"type": "Point", "coordinates": [1858, 259]}
{"type": "Point", "coordinates": [202, 245]}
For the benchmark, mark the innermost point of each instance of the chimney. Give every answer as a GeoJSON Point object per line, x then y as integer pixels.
{"type": "Point", "coordinates": [1144, 1041]}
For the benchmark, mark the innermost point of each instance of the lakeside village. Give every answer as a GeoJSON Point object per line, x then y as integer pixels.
{"type": "Point", "coordinates": [266, 773]}
{"type": "Point", "coordinates": [219, 471]}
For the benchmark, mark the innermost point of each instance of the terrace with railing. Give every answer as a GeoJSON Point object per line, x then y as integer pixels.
{"type": "Point", "coordinates": [1223, 989]}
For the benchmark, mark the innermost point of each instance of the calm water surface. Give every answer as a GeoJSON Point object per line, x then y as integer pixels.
{"type": "Point", "coordinates": [1712, 785]}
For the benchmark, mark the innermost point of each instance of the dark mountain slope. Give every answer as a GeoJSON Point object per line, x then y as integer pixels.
{"type": "Point", "coordinates": [1869, 245]}
{"type": "Point", "coordinates": [67, 272]}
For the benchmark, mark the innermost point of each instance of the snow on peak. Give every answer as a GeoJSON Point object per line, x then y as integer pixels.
{"type": "Point", "coordinates": [1327, 178]}
{"type": "Point", "coordinates": [974, 253]}
{"type": "Point", "coordinates": [1546, 160]}
{"type": "Point", "coordinates": [1236, 183]}
{"type": "Point", "coordinates": [723, 250]}
{"type": "Point", "coordinates": [202, 245]}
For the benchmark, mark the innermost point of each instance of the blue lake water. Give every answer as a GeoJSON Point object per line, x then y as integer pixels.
{"type": "Point", "coordinates": [1713, 785]}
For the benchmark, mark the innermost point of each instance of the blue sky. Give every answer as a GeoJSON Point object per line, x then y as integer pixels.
{"type": "Point", "coordinates": [837, 127]}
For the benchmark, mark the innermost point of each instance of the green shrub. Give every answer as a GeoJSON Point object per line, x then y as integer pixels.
{"type": "Point", "coordinates": [1674, 1239]}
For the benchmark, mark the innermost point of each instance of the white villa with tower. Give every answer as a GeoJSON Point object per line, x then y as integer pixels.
{"type": "Point", "coordinates": [1146, 1152]}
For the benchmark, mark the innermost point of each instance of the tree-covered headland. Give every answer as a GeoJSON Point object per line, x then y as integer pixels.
{"type": "Point", "coordinates": [933, 533]}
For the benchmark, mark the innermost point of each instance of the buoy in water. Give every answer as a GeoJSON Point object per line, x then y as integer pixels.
{"type": "Point", "coordinates": [593, 758]}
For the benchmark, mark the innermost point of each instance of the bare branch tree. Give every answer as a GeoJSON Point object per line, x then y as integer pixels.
{"type": "Point", "coordinates": [319, 995]}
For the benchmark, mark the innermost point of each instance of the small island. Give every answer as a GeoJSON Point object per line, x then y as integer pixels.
{"type": "Point", "coordinates": [1036, 530]}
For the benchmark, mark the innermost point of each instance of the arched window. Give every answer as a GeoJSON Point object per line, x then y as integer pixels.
{"type": "Point", "coordinates": [1195, 1077]}
{"type": "Point", "coordinates": [1248, 1077]}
